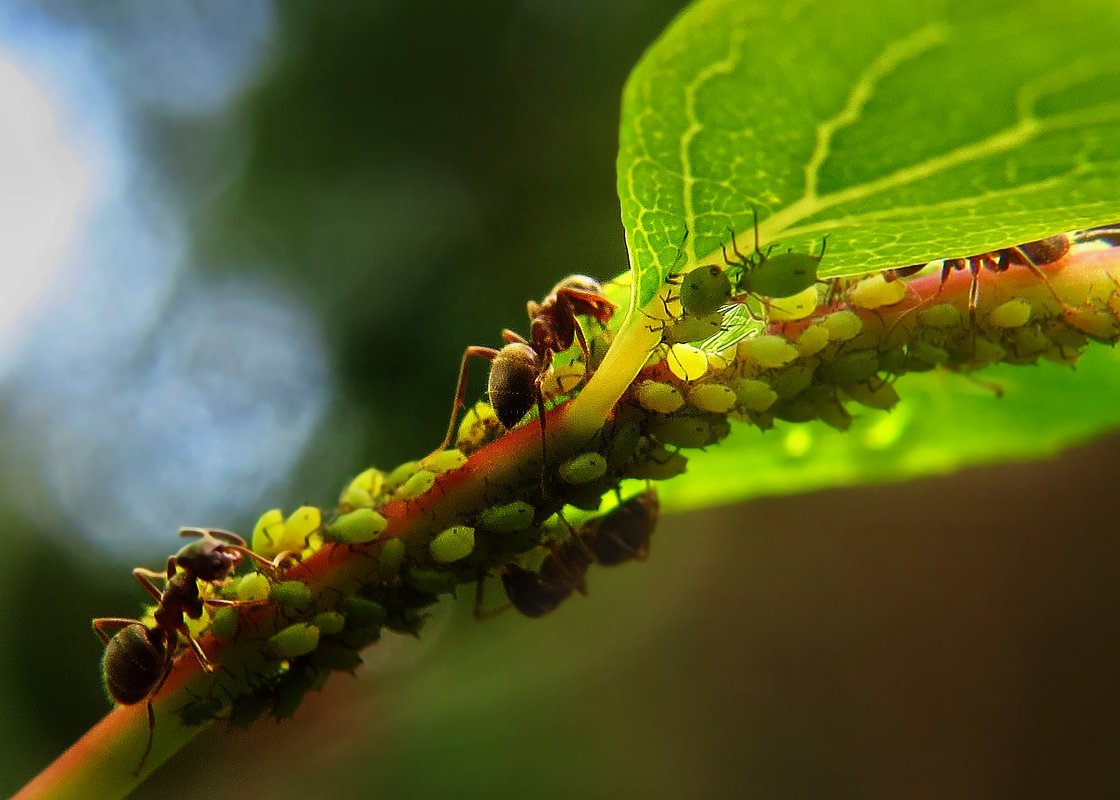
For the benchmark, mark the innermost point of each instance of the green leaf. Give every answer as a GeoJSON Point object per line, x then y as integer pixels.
{"type": "Point", "coordinates": [904, 131]}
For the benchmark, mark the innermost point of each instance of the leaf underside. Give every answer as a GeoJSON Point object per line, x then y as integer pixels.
{"type": "Point", "coordinates": [904, 132]}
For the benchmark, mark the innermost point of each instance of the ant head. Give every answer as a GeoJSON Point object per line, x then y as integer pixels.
{"type": "Point", "coordinates": [582, 283]}
{"type": "Point", "coordinates": [208, 559]}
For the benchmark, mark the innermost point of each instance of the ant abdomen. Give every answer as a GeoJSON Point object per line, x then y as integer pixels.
{"type": "Point", "coordinates": [512, 382]}
{"type": "Point", "coordinates": [133, 663]}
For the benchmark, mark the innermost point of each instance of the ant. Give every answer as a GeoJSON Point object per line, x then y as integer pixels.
{"type": "Point", "coordinates": [1109, 234]}
{"type": "Point", "coordinates": [623, 534]}
{"type": "Point", "coordinates": [138, 658]}
{"type": "Point", "coordinates": [1031, 255]}
{"type": "Point", "coordinates": [516, 371]}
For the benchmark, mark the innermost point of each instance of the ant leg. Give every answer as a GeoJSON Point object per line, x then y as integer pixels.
{"type": "Point", "coordinates": [151, 738]}
{"type": "Point", "coordinates": [973, 290]}
{"type": "Point", "coordinates": [144, 578]}
{"type": "Point", "coordinates": [101, 623]}
{"type": "Point", "coordinates": [480, 610]}
{"type": "Point", "coordinates": [489, 353]}
{"type": "Point", "coordinates": [1109, 234]}
{"type": "Point", "coordinates": [223, 536]}
{"type": "Point", "coordinates": [1030, 264]}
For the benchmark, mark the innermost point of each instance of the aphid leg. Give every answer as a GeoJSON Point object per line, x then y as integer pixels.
{"type": "Point", "coordinates": [489, 353]}
{"type": "Point", "coordinates": [991, 386]}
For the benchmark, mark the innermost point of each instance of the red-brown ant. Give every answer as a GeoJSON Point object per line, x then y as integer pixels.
{"type": "Point", "coordinates": [1031, 255]}
{"type": "Point", "coordinates": [138, 658]}
{"type": "Point", "coordinates": [517, 370]}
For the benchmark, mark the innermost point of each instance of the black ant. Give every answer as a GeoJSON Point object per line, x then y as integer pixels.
{"type": "Point", "coordinates": [624, 533]}
{"type": "Point", "coordinates": [562, 572]}
{"type": "Point", "coordinates": [519, 367]}
{"type": "Point", "coordinates": [138, 658]}
{"type": "Point", "coordinates": [1031, 255]}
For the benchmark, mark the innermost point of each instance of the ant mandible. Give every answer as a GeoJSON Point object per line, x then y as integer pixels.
{"type": "Point", "coordinates": [138, 658]}
{"type": "Point", "coordinates": [516, 371]}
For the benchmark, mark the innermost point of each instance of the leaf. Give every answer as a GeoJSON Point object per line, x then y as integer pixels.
{"type": "Point", "coordinates": [904, 131]}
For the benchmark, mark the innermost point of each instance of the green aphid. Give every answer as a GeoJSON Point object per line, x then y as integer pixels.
{"type": "Point", "coordinates": [874, 393]}
{"type": "Point", "coordinates": [584, 468]}
{"type": "Point", "coordinates": [291, 594]}
{"type": "Point", "coordinates": [658, 464]}
{"type": "Point", "coordinates": [622, 444]}
{"type": "Point", "coordinates": [801, 409]}
{"type": "Point", "coordinates": [294, 685]}
{"type": "Point", "coordinates": [452, 544]}
{"type": "Point", "coordinates": [443, 461]}
{"type": "Point", "coordinates": [781, 275]}
{"type": "Point", "coordinates": [224, 623]}
{"type": "Point", "coordinates": [399, 475]}
{"type": "Point", "coordinates": [329, 622]}
{"type": "Point", "coordinates": [755, 395]}
{"type": "Point", "coordinates": [430, 581]}
{"type": "Point", "coordinates": [693, 329]}
{"type": "Point", "coordinates": [295, 640]}
{"type": "Point", "coordinates": [247, 588]}
{"type": "Point", "coordinates": [661, 398]}
{"type": "Point", "coordinates": [777, 276]}
{"type": "Point", "coordinates": [704, 290]}
{"type": "Point", "coordinates": [712, 397]}
{"type": "Point", "coordinates": [791, 382]}
{"type": "Point", "coordinates": [831, 411]}
{"type": "Point", "coordinates": [686, 431]}
{"type": "Point", "coordinates": [417, 485]}
{"type": "Point", "coordinates": [359, 526]}
{"type": "Point", "coordinates": [923, 356]}
{"type": "Point", "coordinates": [510, 518]}
{"type": "Point", "coordinates": [336, 656]}
{"type": "Point", "coordinates": [204, 709]}
{"type": "Point", "coordinates": [391, 556]}
{"type": "Point", "coordinates": [362, 613]}
{"type": "Point", "coordinates": [850, 368]}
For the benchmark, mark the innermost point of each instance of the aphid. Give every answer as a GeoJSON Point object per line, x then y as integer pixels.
{"type": "Point", "coordinates": [623, 534]}
{"type": "Point", "coordinates": [766, 276]}
{"type": "Point", "coordinates": [516, 371]}
{"type": "Point", "coordinates": [704, 290]}
{"type": "Point", "coordinates": [138, 658]}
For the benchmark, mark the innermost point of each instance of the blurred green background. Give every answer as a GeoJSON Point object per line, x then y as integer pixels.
{"type": "Point", "coordinates": [243, 246]}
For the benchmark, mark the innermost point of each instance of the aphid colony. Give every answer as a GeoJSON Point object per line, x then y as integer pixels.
{"type": "Point", "coordinates": [323, 586]}
{"type": "Point", "coordinates": [821, 344]}
{"type": "Point", "coordinates": [304, 630]}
